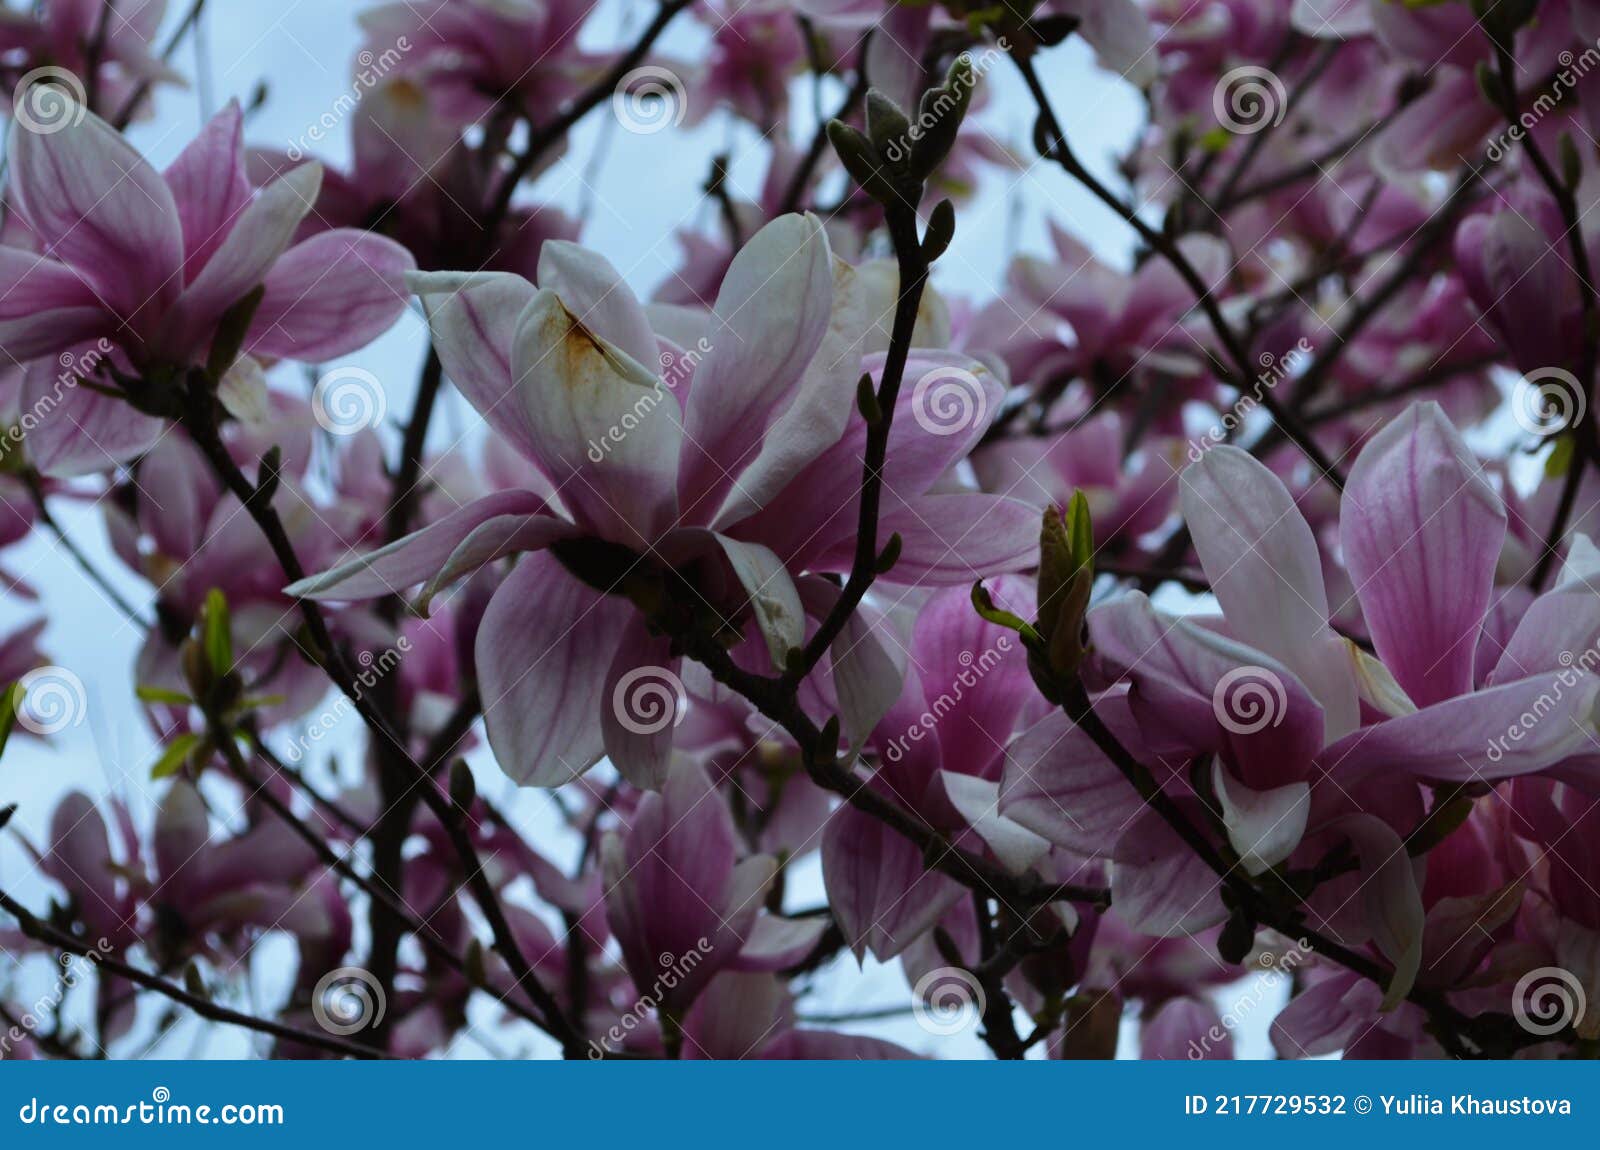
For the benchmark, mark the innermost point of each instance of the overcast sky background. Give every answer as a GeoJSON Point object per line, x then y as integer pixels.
{"type": "Point", "coordinates": [639, 189]}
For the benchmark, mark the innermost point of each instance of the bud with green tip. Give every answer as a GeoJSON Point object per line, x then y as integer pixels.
{"type": "Point", "coordinates": [1066, 576]}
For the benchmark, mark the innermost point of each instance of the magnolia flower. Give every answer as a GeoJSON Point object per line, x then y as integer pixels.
{"type": "Point", "coordinates": [730, 452]}
{"type": "Point", "coordinates": [142, 267]}
{"type": "Point", "coordinates": [1305, 738]}
{"type": "Point", "coordinates": [473, 54]}
{"type": "Point", "coordinates": [683, 905]}
{"type": "Point", "coordinates": [112, 39]}
{"type": "Point", "coordinates": [940, 746]}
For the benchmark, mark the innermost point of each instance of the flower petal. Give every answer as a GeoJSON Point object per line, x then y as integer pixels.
{"type": "Point", "coordinates": [1266, 571]}
{"type": "Point", "coordinates": [1421, 530]}
{"type": "Point", "coordinates": [329, 295]}
{"type": "Point", "coordinates": [602, 426]}
{"type": "Point", "coordinates": [473, 318]}
{"type": "Point", "coordinates": [419, 556]}
{"type": "Point", "coordinates": [95, 203]}
{"type": "Point", "coordinates": [771, 315]}
{"type": "Point", "coordinates": [544, 652]}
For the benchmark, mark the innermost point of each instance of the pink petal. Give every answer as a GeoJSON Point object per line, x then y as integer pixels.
{"type": "Point", "coordinates": [883, 897]}
{"type": "Point", "coordinates": [421, 555]}
{"type": "Point", "coordinates": [330, 295]}
{"type": "Point", "coordinates": [1185, 1028]}
{"type": "Point", "coordinates": [79, 431]}
{"type": "Point", "coordinates": [45, 306]}
{"type": "Point", "coordinates": [473, 317]}
{"type": "Point", "coordinates": [1196, 691]}
{"type": "Point", "coordinates": [832, 1045]}
{"type": "Point", "coordinates": [1421, 530]}
{"type": "Point", "coordinates": [209, 187]}
{"type": "Point", "coordinates": [1159, 885]}
{"type": "Point", "coordinates": [954, 539]}
{"type": "Point", "coordinates": [1057, 782]}
{"type": "Point", "coordinates": [1390, 897]}
{"type": "Point", "coordinates": [95, 203]}
{"type": "Point", "coordinates": [1511, 729]}
{"type": "Point", "coordinates": [974, 674]}
{"type": "Point", "coordinates": [602, 426]}
{"type": "Point", "coordinates": [1266, 571]}
{"type": "Point", "coordinates": [595, 293]}
{"type": "Point", "coordinates": [543, 653]}
{"type": "Point", "coordinates": [644, 703]}
{"type": "Point", "coordinates": [823, 404]}
{"type": "Point", "coordinates": [771, 314]}
{"type": "Point", "coordinates": [241, 261]}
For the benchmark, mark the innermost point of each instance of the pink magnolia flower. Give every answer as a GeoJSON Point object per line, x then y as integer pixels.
{"type": "Point", "coordinates": [1470, 894]}
{"type": "Point", "coordinates": [681, 902]}
{"type": "Point", "coordinates": [755, 50]}
{"type": "Point", "coordinates": [1514, 262]}
{"type": "Point", "coordinates": [729, 452]}
{"type": "Point", "coordinates": [150, 263]}
{"type": "Point", "coordinates": [59, 35]}
{"type": "Point", "coordinates": [1306, 739]}
{"type": "Point", "coordinates": [473, 54]}
{"type": "Point", "coordinates": [1555, 852]}
{"type": "Point", "coordinates": [1127, 497]}
{"type": "Point", "coordinates": [742, 1016]}
{"type": "Point", "coordinates": [1074, 317]}
{"type": "Point", "coordinates": [415, 181]}
{"type": "Point", "coordinates": [940, 747]}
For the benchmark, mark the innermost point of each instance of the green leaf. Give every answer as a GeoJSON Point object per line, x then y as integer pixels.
{"type": "Point", "coordinates": [985, 606]}
{"type": "Point", "coordinates": [1080, 531]}
{"type": "Point", "coordinates": [218, 633]}
{"type": "Point", "coordinates": [231, 330]}
{"type": "Point", "coordinates": [162, 695]}
{"type": "Point", "coordinates": [1560, 458]}
{"type": "Point", "coordinates": [11, 700]}
{"type": "Point", "coordinates": [173, 758]}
